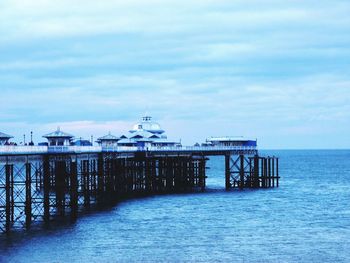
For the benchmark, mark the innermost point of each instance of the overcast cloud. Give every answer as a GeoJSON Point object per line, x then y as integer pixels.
{"type": "Point", "coordinates": [278, 71]}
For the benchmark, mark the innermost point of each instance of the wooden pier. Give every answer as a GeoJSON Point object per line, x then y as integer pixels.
{"type": "Point", "coordinates": [41, 186]}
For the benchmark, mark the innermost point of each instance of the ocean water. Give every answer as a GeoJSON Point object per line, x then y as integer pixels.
{"type": "Point", "coordinates": [306, 219]}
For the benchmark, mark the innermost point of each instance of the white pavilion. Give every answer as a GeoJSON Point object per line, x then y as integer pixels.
{"type": "Point", "coordinates": [145, 133]}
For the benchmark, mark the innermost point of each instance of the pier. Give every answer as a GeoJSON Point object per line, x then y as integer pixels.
{"type": "Point", "coordinates": [41, 184]}
{"type": "Point", "coordinates": [58, 179]}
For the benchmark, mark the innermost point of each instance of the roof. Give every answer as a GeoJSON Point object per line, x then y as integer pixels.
{"type": "Point", "coordinates": [58, 134]}
{"type": "Point", "coordinates": [148, 125]}
{"type": "Point", "coordinates": [165, 142]}
{"type": "Point", "coordinates": [108, 137]}
{"type": "Point", "coordinates": [5, 136]}
{"type": "Point", "coordinates": [141, 134]}
{"type": "Point", "coordinates": [228, 139]}
{"type": "Point", "coordinates": [126, 141]}
{"type": "Point", "coordinates": [132, 141]}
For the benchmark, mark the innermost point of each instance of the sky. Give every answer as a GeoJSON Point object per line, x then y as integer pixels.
{"type": "Point", "coordinates": [278, 71]}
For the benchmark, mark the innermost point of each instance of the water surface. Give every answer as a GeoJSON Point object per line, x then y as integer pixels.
{"type": "Point", "coordinates": [307, 219]}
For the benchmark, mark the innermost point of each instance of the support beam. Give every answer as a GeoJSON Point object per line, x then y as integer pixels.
{"type": "Point", "coordinates": [47, 186]}
{"type": "Point", "coordinates": [227, 172]}
{"type": "Point", "coordinates": [241, 172]}
{"type": "Point", "coordinates": [277, 173]}
{"type": "Point", "coordinates": [28, 202]}
{"type": "Point", "coordinates": [8, 175]}
{"type": "Point", "coordinates": [60, 177]}
{"type": "Point", "coordinates": [256, 180]}
{"type": "Point", "coordinates": [74, 189]}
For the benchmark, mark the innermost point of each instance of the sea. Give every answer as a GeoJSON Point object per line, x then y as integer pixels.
{"type": "Point", "coordinates": [306, 219]}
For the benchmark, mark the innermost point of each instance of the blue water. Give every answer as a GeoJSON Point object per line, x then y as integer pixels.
{"type": "Point", "coordinates": [307, 219]}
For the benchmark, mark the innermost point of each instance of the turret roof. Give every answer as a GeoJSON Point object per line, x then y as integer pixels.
{"type": "Point", "coordinates": [58, 134]}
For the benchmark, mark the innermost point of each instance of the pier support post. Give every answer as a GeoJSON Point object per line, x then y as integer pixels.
{"type": "Point", "coordinates": [277, 173]}
{"type": "Point", "coordinates": [148, 175]}
{"type": "Point", "coordinates": [101, 174]}
{"type": "Point", "coordinates": [169, 174]}
{"type": "Point", "coordinates": [85, 166]}
{"type": "Point", "coordinates": [60, 177]}
{"type": "Point", "coordinates": [227, 172]}
{"type": "Point", "coordinates": [241, 172]}
{"type": "Point", "coordinates": [202, 173]}
{"type": "Point", "coordinates": [273, 172]}
{"type": "Point", "coordinates": [9, 191]}
{"type": "Point", "coordinates": [256, 182]}
{"type": "Point", "coordinates": [74, 189]}
{"type": "Point", "coordinates": [46, 181]}
{"type": "Point", "coordinates": [28, 202]}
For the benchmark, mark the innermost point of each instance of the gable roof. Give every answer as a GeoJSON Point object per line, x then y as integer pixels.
{"type": "Point", "coordinates": [108, 137]}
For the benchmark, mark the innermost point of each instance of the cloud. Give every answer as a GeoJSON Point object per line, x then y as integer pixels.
{"type": "Point", "coordinates": [203, 68]}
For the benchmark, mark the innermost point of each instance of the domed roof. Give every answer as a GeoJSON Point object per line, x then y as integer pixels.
{"type": "Point", "coordinates": [148, 125]}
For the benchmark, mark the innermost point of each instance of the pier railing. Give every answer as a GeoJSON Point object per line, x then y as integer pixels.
{"type": "Point", "coordinates": [180, 149]}
{"type": "Point", "coordinates": [23, 149]}
{"type": "Point", "coordinates": [4, 150]}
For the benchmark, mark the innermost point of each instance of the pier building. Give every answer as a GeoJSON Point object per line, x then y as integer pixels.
{"type": "Point", "coordinates": [108, 140]}
{"type": "Point", "coordinates": [59, 138]}
{"type": "Point", "coordinates": [147, 133]}
{"type": "Point", "coordinates": [4, 138]}
{"type": "Point", "coordinates": [230, 141]}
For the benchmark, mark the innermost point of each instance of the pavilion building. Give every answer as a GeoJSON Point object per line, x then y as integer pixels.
{"type": "Point", "coordinates": [108, 140]}
{"type": "Point", "coordinates": [59, 138]}
{"type": "Point", "coordinates": [145, 133]}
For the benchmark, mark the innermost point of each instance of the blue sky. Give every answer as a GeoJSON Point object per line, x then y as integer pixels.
{"type": "Point", "coordinates": [274, 70]}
